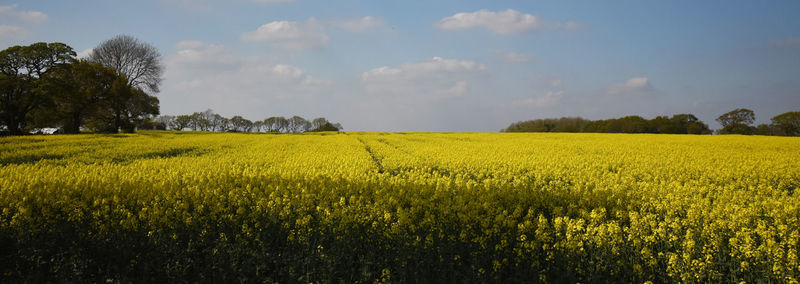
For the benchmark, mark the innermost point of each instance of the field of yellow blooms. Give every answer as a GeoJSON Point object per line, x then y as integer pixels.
{"type": "Point", "coordinates": [399, 207]}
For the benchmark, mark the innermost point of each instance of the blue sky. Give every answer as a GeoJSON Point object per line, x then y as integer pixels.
{"type": "Point", "coordinates": [445, 65]}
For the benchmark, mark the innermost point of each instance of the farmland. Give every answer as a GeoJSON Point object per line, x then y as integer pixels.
{"type": "Point", "coordinates": [400, 207]}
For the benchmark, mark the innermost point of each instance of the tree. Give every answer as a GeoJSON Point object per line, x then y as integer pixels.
{"type": "Point", "coordinates": [224, 124]}
{"type": "Point", "coordinates": [327, 127]}
{"type": "Point", "coordinates": [738, 121]}
{"type": "Point", "coordinates": [166, 120]}
{"type": "Point", "coordinates": [788, 123]}
{"type": "Point", "coordinates": [318, 122]}
{"type": "Point", "coordinates": [767, 129]}
{"type": "Point", "coordinates": [139, 61]}
{"type": "Point", "coordinates": [275, 124]}
{"type": "Point", "coordinates": [199, 122]}
{"type": "Point", "coordinates": [181, 122]}
{"type": "Point", "coordinates": [76, 91]}
{"type": "Point", "coordinates": [124, 107]}
{"type": "Point", "coordinates": [21, 67]}
{"type": "Point", "coordinates": [297, 124]}
{"type": "Point", "coordinates": [241, 124]}
{"type": "Point", "coordinates": [258, 125]}
{"type": "Point", "coordinates": [216, 121]}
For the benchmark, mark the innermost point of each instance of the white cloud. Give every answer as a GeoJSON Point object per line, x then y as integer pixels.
{"type": "Point", "coordinates": [514, 57]}
{"type": "Point", "coordinates": [200, 75]}
{"type": "Point", "coordinates": [633, 85]}
{"type": "Point", "coordinates": [431, 79]}
{"type": "Point", "coordinates": [290, 35]}
{"type": "Point", "coordinates": [34, 17]}
{"type": "Point", "coordinates": [8, 34]}
{"type": "Point", "coordinates": [272, 1]}
{"type": "Point", "coordinates": [11, 31]}
{"type": "Point", "coordinates": [84, 54]}
{"type": "Point", "coordinates": [505, 22]}
{"type": "Point", "coordinates": [359, 25]}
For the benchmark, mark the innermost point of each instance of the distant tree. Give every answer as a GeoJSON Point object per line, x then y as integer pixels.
{"type": "Point", "coordinates": [678, 124]}
{"type": "Point", "coordinates": [297, 124]}
{"type": "Point", "coordinates": [21, 67]}
{"type": "Point", "coordinates": [787, 123]}
{"type": "Point", "coordinates": [569, 124]}
{"type": "Point", "coordinates": [738, 121]}
{"type": "Point", "coordinates": [139, 61]}
{"type": "Point", "coordinates": [627, 124]}
{"type": "Point", "coordinates": [767, 129]}
{"type": "Point", "coordinates": [270, 124]}
{"type": "Point", "coordinates": [199, 122]}
{"type": "Point", "coordinates": [181, 122]}
{"type": "Point", "coordinates": [689, 124]}
{"type": "Point", "coordinates": [282, 124]}
{"type": "Point", "coordinates": [240, 124]}
{"type": "Point", "coordinates": [151, 123]}
{"type": "Point", "coordinates": [224, 124]}
{"type": "Point", "coordinates": [215, 120]}
{"type": "Point", "coordinates": [318, 122]}
{"type": "Point", "coordinates": [276, 124]}
{"type": "Point", "coordinates": [326, 127]}
{"type": "Point", "coordinates": [166, 120]}
{"type": "Point", "coordinates": [258, 125]}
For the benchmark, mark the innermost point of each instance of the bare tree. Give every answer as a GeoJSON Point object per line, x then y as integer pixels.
{"type": "Point", "coordinates": [139, 61]}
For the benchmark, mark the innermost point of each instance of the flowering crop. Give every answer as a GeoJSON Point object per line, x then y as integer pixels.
{"type": "Point", "coordinates": [400, 207]}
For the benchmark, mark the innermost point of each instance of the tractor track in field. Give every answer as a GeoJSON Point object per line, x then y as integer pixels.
{"type": "Point", "coordinates": [375, 159]}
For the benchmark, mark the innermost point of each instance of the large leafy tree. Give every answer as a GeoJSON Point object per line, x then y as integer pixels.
{"type": "Point", "coordinates": [738, 121]}
{"type": "Point", "coordinates": [77, 91]}
{"type": "Point", "coordinates": [21, 68]}
{"type": "Point", "coordinates": [788, 123]}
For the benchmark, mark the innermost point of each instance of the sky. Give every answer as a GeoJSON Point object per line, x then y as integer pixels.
{"type": "Point", "coordinates": [445, 65]}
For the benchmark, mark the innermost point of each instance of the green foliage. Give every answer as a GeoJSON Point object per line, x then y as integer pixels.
{"type": "Point", "coordinates": [677, 124]}
{"type": "Point", "coordinates": [21, 69]}
{"type": "Point", "coordinates": [325, 127]}
{"type": "Point", "coordinates": [738, 121]}
{"type": "Point", "coordinates": [787, 123]}
{"type": "Point", "coordinates": [43, 85]}
{"type": "Point", "coordinates": [76, 91]}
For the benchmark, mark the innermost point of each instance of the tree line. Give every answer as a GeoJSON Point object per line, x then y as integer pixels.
{"type": "Point", "coordinates": [45, 85]}
{"type": "Point", "coordinates": [738, 121]}
{"type": "Point", "coordinates": [210, 121]}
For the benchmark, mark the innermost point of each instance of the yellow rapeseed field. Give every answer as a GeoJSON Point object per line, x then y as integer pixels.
{"type": "Point", "coordinates": [399, 207]}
